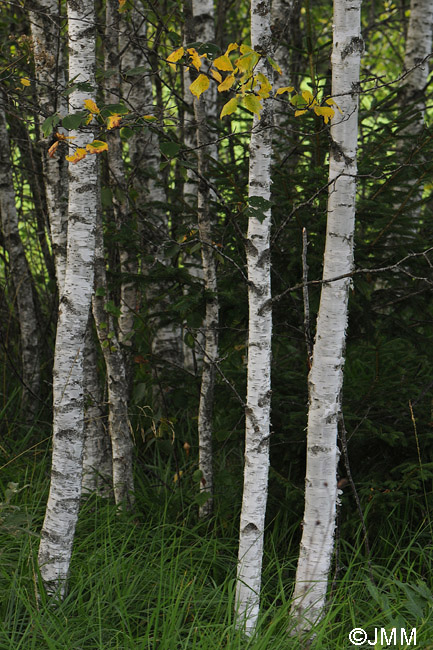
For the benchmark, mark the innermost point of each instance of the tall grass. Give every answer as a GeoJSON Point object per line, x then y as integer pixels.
{"type": "Point", "coordinates": [161, 580]}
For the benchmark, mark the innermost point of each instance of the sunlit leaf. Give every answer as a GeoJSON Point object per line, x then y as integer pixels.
{"type": "Point", "coordinates": [252, 104]}
{"type": "Point", "coordinates": [227, 83]}
{"type": "Point", "coordinates": [113, 121]}
{"type": "Point", "coordinates": [325, 112]}
{"type": "Point", "coordinates": [229, 108]}
{"type": "Point", "coordinates": [97, 146]}
{"type": "Point", "coordinates": [331, 102]}
{"type": "Point", "coordinates": [177, 476]}
{"type": "Point", "coordinates": [61, 136]}
{"type": "Point", "coordinates": [79, 154]}
{"type": "Point", "coordinates": [52, 150]}
{"type": "Point", "coordinates": [285, 89]}
{"type": "Point", "coordinates": [25, 81]}
{"type": "Point", "coordinates": [216, 75]}
{"type": "Point", "coordinates": [122, 4]}
{"type": "Point", "coordinates": [91, 106]}
{"type": "Point", "coordinates": [308, 97]}
{"type": "Point", "coordinates": [169, 149]}
{"type": "Point", "coordinates": [149, 118]}
{"type": "Point", "coordinates": [175, 56]}
{"type": "Point", "coordinates": [298, 113]}
{"type": "Point", "coordinates": [265, 86]}
{"type": "Point", "coordinates": [199, 85]}
{"type": "Point", "coordinates": [196, 59]}
{"type": "Point", "coordinates": [231, 48]}
{"type": "Point", "coordinates": [223, 63]}
{"type": "Point", "coordinates": [245, 49]}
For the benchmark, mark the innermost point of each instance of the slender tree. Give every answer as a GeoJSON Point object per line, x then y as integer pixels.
{"type": "Point", "coordinates": [257, 412]}
{"type": "Point", "coordinates": [22, 283]}
{"type": "Point", "coordinates": [326, 375]}
{"type": "Point", "coordinates": [58, 529]}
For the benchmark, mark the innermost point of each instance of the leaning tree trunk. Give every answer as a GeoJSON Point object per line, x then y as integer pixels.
{"type": "Point", "coordinates": [326, 375]}
{"type": "Point", "coordinates": [21, 277]}
{"type": "Point", "coordinates": [257, 412]}
{"type": "Point", "coordinates": [68, 425]}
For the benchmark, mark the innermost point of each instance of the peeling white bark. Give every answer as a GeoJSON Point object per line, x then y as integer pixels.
{"type": "Point", "coordinates": [58, 529]}
{"type": "Point", "coordinates": [326, 375]}
{"type": "Point", "coordinates": [21, 277]}
{"type": "Point", "coordinates": [257, 411]}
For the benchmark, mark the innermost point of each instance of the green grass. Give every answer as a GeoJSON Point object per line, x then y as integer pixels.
{"type": "Point", "coordinates": [160, 580]}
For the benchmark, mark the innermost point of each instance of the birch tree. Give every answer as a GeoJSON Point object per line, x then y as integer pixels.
{"type": "Point", "coordinates": [326, 375]}
{"type": "Point", "coordinates": [257, 412]}
{"type": "Point", "coordinates": [21, 277]}
{"type": "Point", "coordinates": [58, 529]}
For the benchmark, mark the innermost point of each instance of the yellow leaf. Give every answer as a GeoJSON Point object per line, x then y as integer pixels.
{"type": "Point", "coordinates": [25, 81]}
{"type": "Point", "coordinates": [91, 106]}
{"type": "Point", "coordinates": [231, 48]}
{"type": "Point", "coordinates": [78, 155]}
{"type": "Point", "coordinates": [247, 62]}
{"type": "Point", "coordinates": [308, 97]}
{"type": "Point", "coordinates": [52, 150]}
{"type": "Point", "coordinates": [175, 56]}
{"type": "Point", "coordinates": [60, 136]}
{"type": "Point", "coordinates": [113, 121]}
{"type": "Point", "coordinates": [149, 118]}
{"type": "Point", "coordinates": [216, 75]}
{"type": "Point", "coordinates": [97, 146]}
{"type": "Point", "coordinates": [223, 63]}
{"type": "Point", "coordinates": [285, 89]}
{"type": "Point", "coordinates": [89, 118]}
{"type": "Point", "coordinates": [122, 4]}
{"type": "Point", "coordinates": [265, 86]}
{"type": "Point", "coordinates": [331, 102]}
{"type": "Point", "coordinates": [325, 112]}
{"type": "Point", "coordinates": [196, 59]}
{"type": "Point", "coordinates": [227, 83]}
{"type": "Point", "coordinates": [177, 476]}
{"type": "Point", "coordinates": [229, 108]}
{"type": "Point", "coordinates": [199, 85]}
{"type": "Point", "coordinates": [245, 49]}
{"type": "Point", "coordinates": [297, 113]}
{"type": "Point", "coordinates": [252, 104]}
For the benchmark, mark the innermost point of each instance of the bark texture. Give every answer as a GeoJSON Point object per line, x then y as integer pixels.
{"type": "Point", "coordinates": [257, 413]}
{"type": "Point", "coordinates": [210, 325]}
{"type": "Point", "coordinates": [47, 42]}
{"type": "Point", "coordinates": [21, 278]}
{"type": "Point", "coordinates": [68, 426]}
{"type": "Point", "coordinates": [326, 375]}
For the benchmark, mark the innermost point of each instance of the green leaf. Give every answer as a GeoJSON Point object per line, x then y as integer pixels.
{"type": "Point", "coordinates": [189, 340]}
{"type": "Point", "coordinates": [172, 250]}
{"type": "Point", "coordinates": [49, 124]}
{"type": "Point", "coordinates": [197, 476]}
{"type": "Point", "coordinates": [201, 498]}
{"type": "Point", "coordinates": [100, 291]}
{"type": "Point", "coordinates": [274, 64]}
{"type": "Point", "coordinates": [132, 72]}
{"type": "Point", "coordinates": [111, 109]}
{"type": "Point", "coordinates": [259, 202]}
{"type": "Point", "coordinates": [126, 132]}
{"type": "Point", "coordinates": [73, 121]}
{"type": "Point", "coordinates": [111, 308]}
{"type": "Point", "coordinates": [170, 149]}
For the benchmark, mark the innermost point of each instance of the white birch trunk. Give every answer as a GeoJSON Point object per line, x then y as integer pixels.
{"type": "Point", "coordinates": [257, 412]}
{"type": "Point", "coordinates": [199, 26]}
{"type": "Point", "coordinates": [326, 375]}
{"type": "Point", "coordinates": [210, 325]}
{"type": "Point", "coordinates": [418, 49]}
{"type": "Point", "coordinates": [97, 465]}
{"type": "Point", "coordinates": [21, 277]}
{"type": "Point", "coordinates": [118, 419]}
{"type": "Point", "coordinates": [58, 529]}
{"type": "Point", "coordinates": [150, 198]}
{"type": "Point", "coordinates": [47, 41]}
